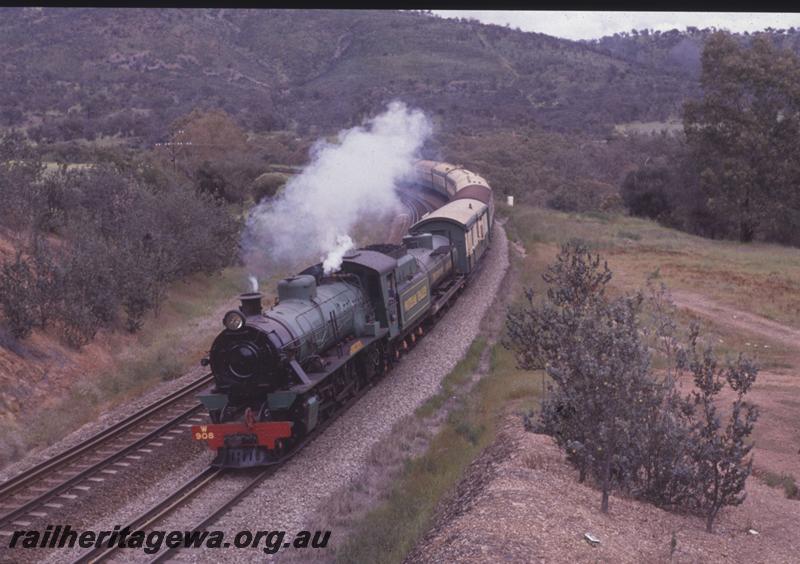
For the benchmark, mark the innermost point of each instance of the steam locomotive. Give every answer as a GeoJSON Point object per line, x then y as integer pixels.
{"type": "Point", "coordinates": [279, 373]}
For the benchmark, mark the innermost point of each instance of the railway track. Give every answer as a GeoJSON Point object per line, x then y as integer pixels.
{"type": "Point", "coordinates": [159, 511]}
{"type": "Point", "coordinates": [221, 509]}
{"type": "Point", "coordinates": [203, 480]}
{"type": "Point", "coordinates": [410, 217]}
{"type": "Point", "coordinates": [417, 204]}
{"type": "Point", "coordinates": [419, 201]}
{"type": "Point", "coordinates": [57, 481]}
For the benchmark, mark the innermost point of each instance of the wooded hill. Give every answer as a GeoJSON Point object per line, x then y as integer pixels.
{"type": "Point", "coordinates": [86, 73]}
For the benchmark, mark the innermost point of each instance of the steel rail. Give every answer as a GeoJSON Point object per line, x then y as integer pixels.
{"type": "Point", "coordinates": [221, 509]}
{"type": "Point", "coordinates": [81, 476]}
{"type": "Point", "coordinates": [416, 204]}
{"type": "Point", "coordinates": [268, 471]}
{"type": "Point", "coordinates": [25, 478]}
{"type": "Point", "coordinates": [53, 465]}
{"type": "Point", "coordinates": [182, 495]}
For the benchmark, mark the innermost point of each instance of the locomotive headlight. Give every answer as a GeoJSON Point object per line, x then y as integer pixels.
{"type": "Point", "coordinates": [233, 320]}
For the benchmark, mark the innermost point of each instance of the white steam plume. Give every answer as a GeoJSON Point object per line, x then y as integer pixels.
{"type": "Point", "coordinates": [253, 283]}
{"type": "Point", "coordinates": [333, 261]}
{"type": "Point", "coordinates": [345, 182]}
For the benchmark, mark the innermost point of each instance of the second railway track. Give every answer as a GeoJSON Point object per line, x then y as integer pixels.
{"type": "Point", "coordinates": [31, 494]}
{"type": "Point", "coordinates": [420, 201]}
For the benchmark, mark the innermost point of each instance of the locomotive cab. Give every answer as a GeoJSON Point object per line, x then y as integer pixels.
{"type": "Point", "coordinates": [376, 270]}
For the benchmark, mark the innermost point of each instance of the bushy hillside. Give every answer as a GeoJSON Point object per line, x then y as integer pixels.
{"type": "Point", "coordinates": [678, 52]}
{"type": "Point", "coordinates": [674, 51]}
{"type": "Point", "coordinates": [84, 73]}
{"type": "Point", "coordinates": [73, 73]}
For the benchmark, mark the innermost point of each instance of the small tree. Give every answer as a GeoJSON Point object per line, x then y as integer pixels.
{"type": "Point", "coordinates": [665, 474]}
{"type": "Point", "coordinates": [592, 350]}
{"type": "Point", "coordinates": [617, 421]}
{"type": "Point", "coordinates": [720, 456]}
{"type": "Point", "coordinates": [605, 370]}
{"type": "Point", "coordinates": [48, 281]}
{"type": "Point", "coordinates": [21, 171]}
{"type": "Point", "coordinates": [213, 151]}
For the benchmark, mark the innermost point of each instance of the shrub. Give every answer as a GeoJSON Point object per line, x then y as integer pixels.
{"type": "Point", "coordinates": [121, 238]}
{"type": "Point", "coordinates": [785, 481]}
{"type": "Point", "coordinates": [719, 455]}
{"type": "Point", "coordinates": [591, 348]}
{"type": "Point", "coordinates": [267, 185]}
{"type": "Point", "coordinates": [18, 295]}
{"type": "Point", "coordinates": [616, 421]}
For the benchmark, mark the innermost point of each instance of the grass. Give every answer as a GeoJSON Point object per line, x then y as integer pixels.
{"type": "Point", "coordinates": [672, 126]}
{"type": "Point", "coordinates": [760, 278]}
{"type": "Point", "coordinates": [622, 234]}
{"type": "Point", "coordinates": [785, 481]}
{"type": "Point", "coordinates": [388, 532]}
{"type": "Point", "coordinates": [462, 371]}
{"type": "Point", "coordinates": [165, 348]}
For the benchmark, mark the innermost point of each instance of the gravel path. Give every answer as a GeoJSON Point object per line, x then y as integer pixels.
{"type": "Point", "coordinates": [335, 459]}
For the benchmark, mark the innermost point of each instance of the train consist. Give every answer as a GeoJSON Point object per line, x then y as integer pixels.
{"type": "Point", "coordinates": [280, 372]}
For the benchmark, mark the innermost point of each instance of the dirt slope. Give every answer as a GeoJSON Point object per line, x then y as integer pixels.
{"type": "Point", "coordinates": [739, 320]}
{"type": "Point", "coordinates": [521, 502]}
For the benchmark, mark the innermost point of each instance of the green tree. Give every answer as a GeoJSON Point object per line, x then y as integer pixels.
{"type": "Point", "coordinates": [214, 152]}
{"type": "Point", "coordinates": [21, 172]}
{"type": "Point", "coordinates": [602, 392]}
{"type": "Point", "coordinates": [744, 135]}
{"type": "Point", "coordinates": [17, 295]}
{"type": "Point", "coordinates": [645, 191]}
{"type": "Point", "coordinates": [620, 424]}
{"type": "Point", "coordinates": [720, 455]}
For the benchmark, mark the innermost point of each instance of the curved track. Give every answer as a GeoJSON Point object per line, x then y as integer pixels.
{"type": "Point", "coordinates": [30, 493]}
{"type": "Point", "coordinates": [189, 490]}
{"type": "Point", "coordinates": [87, 459]}
{"type": "Point", "coordinates": [418, 201]}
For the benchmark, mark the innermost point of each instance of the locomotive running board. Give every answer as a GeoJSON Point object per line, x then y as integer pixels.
{"type": "Point", "coordinates": [352, 348]}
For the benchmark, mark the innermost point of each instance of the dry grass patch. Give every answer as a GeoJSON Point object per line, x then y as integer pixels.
{"type": "Point", "coordinates": [785, 481]}
{"type": "Point", "coordinates": [759, 278]}
{"type": "Point", "coordinates": [167, 346]}
{"type": "Point", "coordinates": [388, 532]}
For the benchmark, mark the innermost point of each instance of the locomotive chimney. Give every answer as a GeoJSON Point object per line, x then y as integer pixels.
{"type": "Point", "coordinates": [251, 303]}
